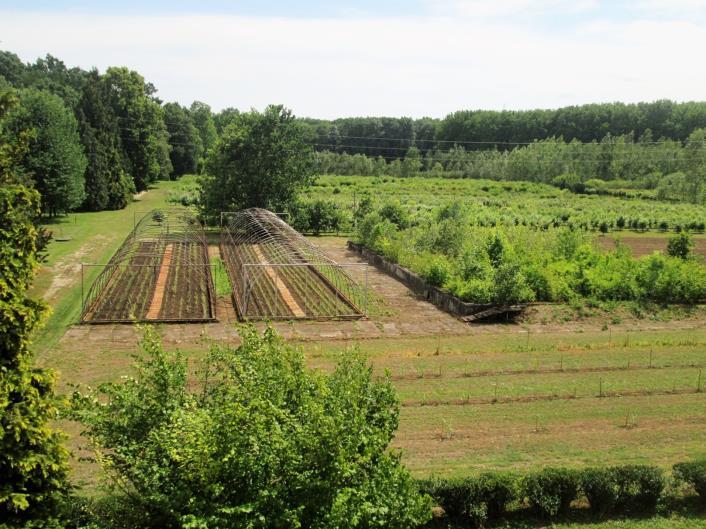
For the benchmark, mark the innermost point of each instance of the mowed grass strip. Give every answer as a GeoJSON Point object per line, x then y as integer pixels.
{"type": "Point", "coordinates": [457, 440]}
{"type": "Point", "coordinates": [546, 385]}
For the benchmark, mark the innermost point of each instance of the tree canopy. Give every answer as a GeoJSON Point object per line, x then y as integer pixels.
{"type": "Point", "coordinates": [260, 160]}
{"type": "Point", "coordinates": [33, 460]}
{"type": "Point", "coordinates": [261, 441]}
{"type": "Point", "coordinates": [54, 161]}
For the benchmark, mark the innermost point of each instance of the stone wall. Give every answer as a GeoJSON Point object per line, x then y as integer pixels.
{"type": "Point", "coordinates": [418, 285]}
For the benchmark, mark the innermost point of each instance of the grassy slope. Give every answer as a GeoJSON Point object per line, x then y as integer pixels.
{"type": "Point", "coordinates": [93, 238]}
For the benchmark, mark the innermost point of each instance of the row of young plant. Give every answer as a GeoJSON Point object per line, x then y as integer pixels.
{"type": "Point", "coordinates": [549, 493]}
{"type": "Point", "coordinates": [492, 203]}
{"type": "Point", "coordinates": [518, 264]}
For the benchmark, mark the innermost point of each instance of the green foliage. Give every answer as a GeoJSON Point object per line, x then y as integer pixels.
{"type": "Point", "coordinates": [184, 140]}
{"type": "Point", "coordinates": [509, 265]}
{"type": "Point", "coordinates": [680, 245]}
{"type": "Point", "coordinates": [473, 500]}
{"type": "Point", "coordinates": [108, 184]}
{"type": "Point", "coordinates": [395, 213]}
{"type": "Point", "coordinates": [144, 134]}
{"type": "Point", "coordinates": [317, 216]}
{"type": "Point", "coordinates": [438, 272]}
{"type": "Point", "coordinates": [54, 162]}
{"type": "Point", "coordinates": [692, 473]}
{"type": "Point", "coordinates": [639, 487]}
{"type": "Point", "coordinates": [202, 118]}
{"type": "Point", "coordinates": [551, 491]}
{"type": "Point", "coordinates": [601, 489]}
{"type": "Point", "coordinates": [260, 160]}
{"type": "Point", "coordinates": [261, 441]}
{"type": "Point", "coordinates": [33, 460]}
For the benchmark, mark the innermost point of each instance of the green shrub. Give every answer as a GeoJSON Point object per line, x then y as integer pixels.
{"type": "Point", "coordinates": [639, 487]}
{"type": "Point", "coordinates": [262, 441]}
{"type": "Point", "coordinates": [395, 213]}
{"type": "Point", "coordinates": [551, 491]}
{"type": "Point", "coordinates": [497, 491]}
{"type": "Point", "coordinates": [692, 473]}
{"type": "Point", "coordinates": [680, 245]}
{"type": "Point", "coordinates": [601, 489]}
{"type": "Point", "coordinates": [472, 500]}
{"type": "Point", "coordinates": [438, 272]}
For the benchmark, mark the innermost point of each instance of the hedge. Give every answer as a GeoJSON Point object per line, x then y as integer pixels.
{"type": "Point", "coordinates": [625, 489]}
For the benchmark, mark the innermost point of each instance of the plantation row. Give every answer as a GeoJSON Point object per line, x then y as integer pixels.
{"type": "Point", "coordinates": [626, 490]}
{"type": "Point", "coordinates": [128, 291]}
{"type": "Point", "coordinates": [518, 264]}
{"type": "Point", "coordinates": [187, 294]}
{"type": "Point", "coordinates": [491, 204]}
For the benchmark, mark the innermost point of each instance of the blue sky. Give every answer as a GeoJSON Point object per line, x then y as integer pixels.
{"type": "Point", "coordinates": [414, 58]}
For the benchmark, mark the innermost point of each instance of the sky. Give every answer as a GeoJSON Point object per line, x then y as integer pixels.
{"type": "Point", "coordinates": [378, 58]}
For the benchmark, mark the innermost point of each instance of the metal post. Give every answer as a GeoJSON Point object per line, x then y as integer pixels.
{"type": "Point", "coordinates": [83, 300]}
{"type": "Point", "coordinates": [366, 289]}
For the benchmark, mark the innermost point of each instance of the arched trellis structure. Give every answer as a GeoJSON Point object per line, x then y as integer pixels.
{"type": "Point", "coordinates": [276, 273]}
{"type": "Point", "coordinates": [160, 273]}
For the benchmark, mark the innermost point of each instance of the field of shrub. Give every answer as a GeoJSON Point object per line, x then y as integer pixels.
{"type": "Point", "coordinates": [491, 203]}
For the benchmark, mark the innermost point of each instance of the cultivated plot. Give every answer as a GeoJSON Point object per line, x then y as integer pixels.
{"type": "Point", "coordinates": [277, 274]}
{"type": "Point", "coordinates": [160, 273]}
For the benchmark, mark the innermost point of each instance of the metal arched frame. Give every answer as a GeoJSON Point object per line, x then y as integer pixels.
{"type": "Point", "coordinates": [276, 273]}
{"type": "Point", "coordinates": [161, 272]}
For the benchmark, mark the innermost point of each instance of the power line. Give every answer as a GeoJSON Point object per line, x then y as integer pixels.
{"type": "Point", "coordinates": [413, 141]}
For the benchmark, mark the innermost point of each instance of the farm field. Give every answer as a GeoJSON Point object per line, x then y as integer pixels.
{"type": "Point", "coordinates": [510, 203]}
{"type": "Point", "coordinates": [473, 398]}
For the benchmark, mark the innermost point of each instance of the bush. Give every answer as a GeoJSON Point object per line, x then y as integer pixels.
{"type": "Point", "coordinates": [262, 441]}
{"type": "Point", "coordinates": [639, 487]}
{"type": "Point", "coordinates": [395, 213]}
{"type": "Point", "coordinates": [472, 500]}
{"type": "Point", "coordinates": [551, 491]}
{"type": "Point", "coordinates": [680, 245]}
{"type": "Point", "coordinates": [692, 473]}
{"type": "Point", "coordinates": [601, 489]}
{"type": "Point", "coordinates": [497, 490]}
{"type": "Point", "coordinates": [438, 272]}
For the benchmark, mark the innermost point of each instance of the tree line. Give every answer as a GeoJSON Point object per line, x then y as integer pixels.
{"type": "Point", "coordinates": [671, 169]}
{"type": "Point", "coordinates": [95, 139]}
{"type": "Point", "coordinates": [503, 130]}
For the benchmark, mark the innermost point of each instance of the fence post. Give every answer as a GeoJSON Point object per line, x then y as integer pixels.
{"type": "Point", "coordinates": [366, 289]}
{"type": "Point", "coordinates": [83, 299]}
{"type": "Point", "coordinates": [698, 385]}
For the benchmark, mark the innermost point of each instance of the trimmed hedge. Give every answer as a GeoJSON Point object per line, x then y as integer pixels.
{"type": "Point", "coordinates": [692, 473]}
{"type": "Point", "coordinates": [475, 499]}
{"type": "Point", "coordinates": [550, 492]}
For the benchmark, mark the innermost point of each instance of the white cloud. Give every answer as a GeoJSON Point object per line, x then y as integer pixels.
{"type": "Point", "coordinates": [384, 66]}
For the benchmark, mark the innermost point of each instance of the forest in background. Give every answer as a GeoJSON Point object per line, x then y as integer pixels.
{"type": "Point", "coordinates": [97, 138]}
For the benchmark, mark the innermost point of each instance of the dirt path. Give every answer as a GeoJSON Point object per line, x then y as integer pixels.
{"type": "Point", "coordinates": [281, 287]}
{"type": "Point", "coordinates": [159, 287]}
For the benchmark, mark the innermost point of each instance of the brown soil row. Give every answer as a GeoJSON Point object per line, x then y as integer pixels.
{"type": "Point", "coordinates": [647, 245]}
{"type": "Point", "coordinates": [542, 371]}
{"type": "Point", "coordinates": [158, 296]}
{"type": "Point", "coordinates": [548, 397]}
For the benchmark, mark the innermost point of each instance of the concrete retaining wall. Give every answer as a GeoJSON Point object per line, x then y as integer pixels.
{"type": "Point", "coordinates": [418, 285]}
